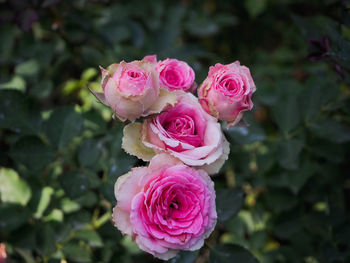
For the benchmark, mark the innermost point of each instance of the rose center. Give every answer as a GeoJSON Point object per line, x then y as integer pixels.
{"type": "Point", "coordinates": [180, 125]}
{"type": "Point", "coordinates": [132, 81]}
{"type": "Point", "coordinates": [133, 74]}
{"type": "Point", "coordinates": [172, 77]}
{"type": "Point", "coordinates": [231, 86]}
{"type": "Point", "coordinates": [174, 205]}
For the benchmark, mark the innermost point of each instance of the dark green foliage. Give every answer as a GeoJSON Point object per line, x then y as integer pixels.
{"type": "Point", "coordinates": [230, 253]}
{"type": "Point", "coordinates": [284, 194]}
{"type": "Point", "coordinates": [63, 125]}
{"type": "Point", "coordinates": [11, 217]}
{"type": "Point", "coordinates": [228, 203]}
{"type": "Point", "coordinates": [32, 152]}
{"type": "Point", "coordinates": [18, 114]}
{"type": "Point", "coordinates": [185, 257]}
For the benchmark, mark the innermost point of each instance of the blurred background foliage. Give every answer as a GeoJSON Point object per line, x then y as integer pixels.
{"type": "Point", "coordinates": [284, 194]}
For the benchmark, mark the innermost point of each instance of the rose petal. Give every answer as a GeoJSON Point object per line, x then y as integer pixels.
{"type": "Point", "coordinates": [132, 143]}
{"type": "Point", "coordinates": [215, 167]}
{"type": "Point", "coordinates": [127, 186]}
{"type": "Point", "coordinates": [164, 99]}
{"type": "Point", "coordinates": [121, 220]}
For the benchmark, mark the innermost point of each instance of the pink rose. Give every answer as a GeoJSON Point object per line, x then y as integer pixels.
{"type": "Point", "coordinates": [165, 207]}
{"type": "Point", "coordinates": [174, 74]}
{"type": "Point", "coordinates": [185, 131]}
{"type": "Point", "coordinates": [132, 90]}
{"type": "Point", "coordinates": [226, 92]}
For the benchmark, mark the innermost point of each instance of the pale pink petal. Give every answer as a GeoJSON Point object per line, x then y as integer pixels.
{"type": "Point", "coordinates": [127, 186]}
{"type": "Point", "coordinates": [121, 220]}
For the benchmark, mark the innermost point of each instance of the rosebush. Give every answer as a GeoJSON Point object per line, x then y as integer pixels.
{"type": "Point", "coordinates": [283, 193]}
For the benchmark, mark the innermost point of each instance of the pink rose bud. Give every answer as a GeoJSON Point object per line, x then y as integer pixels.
{"type": "Point", "coordinates": [165, 207]}
{"type": "Point", "coordinates": [226, 92]}
{"type": "Point", "coordinates": [176, 75]}
{"type": "Point", "coordinates": [185, 131]}
{"type": "Point", "coordinates": [132, 90]}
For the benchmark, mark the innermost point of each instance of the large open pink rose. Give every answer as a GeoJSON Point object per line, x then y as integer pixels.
{"type": "Point", "coordinates": [226, 92]}
{"type": "Point", "coordinates": [185, 131]}
{"type": "Point", "coordinates": [165, 207]}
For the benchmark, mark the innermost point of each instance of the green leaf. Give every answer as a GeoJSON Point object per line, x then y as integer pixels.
{"type": "Point", "coordinates": [18, 114]}
{"type": "Point", "coordinates": [328, 150]}
{"type": "Point", "coordinates": [258, 240]}
{"type": "Point", "coordinates": [12, 216]}
{"type": "Point", "coordinates": [309, 29]}
{"type": "Point", "coordinates": [79, 220]}
{"type": "Point", "coordinates": [88, 74]}
{"type": "Point", "coordinates": [170, 30]}
{"type": "Point", "coordinates": [87, 200]}
{"type": "Point", "coordinates": [293, 180]}
{"type": "Point", "coordinates": [228, 203]}
{"type": "Point", "coordinates": [137, 33]}
{"type": "Point", "coordinates": [89, 152]}
{"type": "Point", "coordinates": [17, 83]}
{"type": "Point", "coordinates": [230, 254]}
{"type": "Point", "coordinates": [26, 255]}
{"type": "Point", "coordinates": [75, 184]}
{"type": "Point", "coordinates": [32, 152]}
{"type": "Point", "coordinates": [116, 161]}
{"type": "Point", "coordinates": [62, 231]}
{"type": "Point", "coordinates": [289, 151]}
{"type": "Point", "coordinates": [341, 46]}
{"type": "Point", "coordinates": [45, 199]}
{"type": "Point", "coordinates": [332, 130]}
{"type": "Point", "coordinates": [69, 206]}
{"type": "Point", "coordinates": [45, 239]}
{"type": "Point", "coordinates": [247, 135]}
{"type": "Point", "coordinates": [54, 215]}
{"type": "Point", "coordinates": [25, 237]}
{"type": "Point", "coordinates": [12, 188]}
{"type": "Point", "coordinates": [316, 94]}
{"type": "Point", "coordinates": [280, 199]}
{"type": "Point", "coordinates": [202, 26]}
{"type": "Point", "coordinates": [42, 89]}
{"type": "Point", "coordinates": [93, 239]}
{"type": "Point", "coordinates": [28, 68]}
{"type": "Point", "coordinates": [255, 7]}
{"type": "Point", "coordinates": [63, 125]}
{"type": "Point", "coordinates": [286, 110]}
{"type": "Point", "coordinates": [8, 37]}
{"type": "Point", "coordinates": [185, 257]}
{"type": "Point", "coordinates": [93, 121]}
{"type": "Point", "coordinates": [76, 252]}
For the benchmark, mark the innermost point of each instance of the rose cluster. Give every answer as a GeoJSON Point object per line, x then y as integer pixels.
{"type": "Point", "coordinates": [169, 205]}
